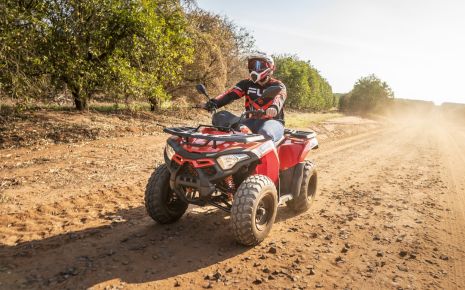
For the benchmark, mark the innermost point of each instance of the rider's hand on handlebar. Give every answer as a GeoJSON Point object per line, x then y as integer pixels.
{"type": "Point", "coordinates": [271, 112]}
{"type": "Point", "coordinates": [209, 106]}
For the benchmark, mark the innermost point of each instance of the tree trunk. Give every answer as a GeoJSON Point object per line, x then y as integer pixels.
{"type": "Point", "coordinates": [153, 104]}
{"type": "Point", "coordinates": [80, 102]}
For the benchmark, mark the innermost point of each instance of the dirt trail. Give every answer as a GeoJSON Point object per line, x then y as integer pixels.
{"type": "Point", "coordinates": [390, 215]}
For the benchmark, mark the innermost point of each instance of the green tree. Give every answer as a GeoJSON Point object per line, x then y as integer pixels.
{"type": "Point", "coordinates": [21, 64]}
{"type": "Point", "coordinates": [343, 104]}
{"type": "Point", "coordinates": [131, 48]}
{"type": "Point", "coordinates": [369, 94]}
{"type": "Point", "coordinates": [306, 88]}
{"type": "Point", "coordinates": [125, 48]}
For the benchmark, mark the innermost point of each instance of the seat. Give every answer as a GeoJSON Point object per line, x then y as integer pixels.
{"type": "Point", "coordinates": [225, 119]}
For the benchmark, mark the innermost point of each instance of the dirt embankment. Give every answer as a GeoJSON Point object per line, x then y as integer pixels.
{"type": "Point", "coordinates": [45, 127]}
{"type": "Point", "coordinates": [389, 215]}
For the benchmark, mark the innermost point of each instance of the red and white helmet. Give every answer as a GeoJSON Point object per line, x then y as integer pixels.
{"type": "Point", "coordinates": [260, 66]}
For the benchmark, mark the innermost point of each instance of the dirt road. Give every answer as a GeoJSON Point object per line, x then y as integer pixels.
{"type": "Point", "coordinates": [390, 215]}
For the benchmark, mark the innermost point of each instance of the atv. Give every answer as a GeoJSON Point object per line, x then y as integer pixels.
{"type": "Point", "coordinates": [241, 173]}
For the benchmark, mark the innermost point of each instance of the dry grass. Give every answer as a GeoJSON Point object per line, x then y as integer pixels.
{"type": "Point", "coordinates": [4, 198]}
{"type": "Point", "coordinates": [295, 119]}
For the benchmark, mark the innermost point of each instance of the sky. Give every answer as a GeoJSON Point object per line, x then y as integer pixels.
{"type": "Point", "coordinates": [416, 46]}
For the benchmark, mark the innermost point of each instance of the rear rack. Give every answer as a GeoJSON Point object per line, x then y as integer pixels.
{"type": "Point", "coordinates": [300, 134]}
{"type": "Point", "coordinates": [191, 132]}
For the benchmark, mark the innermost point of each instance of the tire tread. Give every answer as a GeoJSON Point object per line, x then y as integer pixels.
{"type": "Point", "coordinates": [243, 206]}
{"type": "Point", "coordinates": [154, 194]}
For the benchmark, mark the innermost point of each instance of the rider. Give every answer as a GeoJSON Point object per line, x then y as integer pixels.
{"type": "Point", "coordinates": [271, 124]}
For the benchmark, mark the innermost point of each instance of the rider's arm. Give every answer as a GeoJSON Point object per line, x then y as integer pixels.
{"type": "Point", "coordinates": [237, 92]}
{"type": "Point", "coordinates": [278, 101]}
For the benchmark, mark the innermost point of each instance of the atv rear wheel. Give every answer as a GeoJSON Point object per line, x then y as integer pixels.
{"type": "Point", "coordinates": [254, 209]}
{"type": "Point", "coordinates": [162, 204]}
{"type": "Point", "coordinates": [307, 189]}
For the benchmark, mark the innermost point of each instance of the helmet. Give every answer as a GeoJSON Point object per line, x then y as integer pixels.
{"type": "Point", "coordinates": [260, 66]}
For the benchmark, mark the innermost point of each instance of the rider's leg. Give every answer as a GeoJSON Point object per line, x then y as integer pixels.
{"type": "Point", "coordinates": [253, 124]}
{"type": "Point", "coordinates": [272, 129]}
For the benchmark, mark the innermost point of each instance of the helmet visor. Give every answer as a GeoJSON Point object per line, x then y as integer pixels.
{"type": "Point", "coordinates": [257, 65]}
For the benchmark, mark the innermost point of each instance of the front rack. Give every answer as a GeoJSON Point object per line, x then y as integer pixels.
{"type": "Point", "coordinates": [191, 132]}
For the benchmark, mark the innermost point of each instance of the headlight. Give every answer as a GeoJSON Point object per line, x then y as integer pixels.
{"type": "Point", "coordinates": [169, 151]}
{"type": "Point", "coordinates": [228, 161]}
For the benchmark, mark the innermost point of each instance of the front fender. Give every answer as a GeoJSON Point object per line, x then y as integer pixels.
{"type": "Point", "coordinates": [269, 165]}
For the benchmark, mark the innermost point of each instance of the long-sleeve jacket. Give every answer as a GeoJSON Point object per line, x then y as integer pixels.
{"type": "Point", "coordinates": [252, 93]}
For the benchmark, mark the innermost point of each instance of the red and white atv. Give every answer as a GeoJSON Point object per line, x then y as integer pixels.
{"type": "Point", "coordinates": [245, 175]}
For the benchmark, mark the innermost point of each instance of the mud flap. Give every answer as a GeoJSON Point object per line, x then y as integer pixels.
{"type": "Point", "coordinates": [291, 180]}
{"type": "Point", "coordinates": [297, 180]}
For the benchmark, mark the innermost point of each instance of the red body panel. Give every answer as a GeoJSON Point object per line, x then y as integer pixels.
{"type": "Point", "coordinates": [199, 163]}
{"type": "Point", "coordinates": [292, 151]}
{"type": "Point", "coordinates": [269, 166]}
{"type": "Point", "coordinates": [288, 154]}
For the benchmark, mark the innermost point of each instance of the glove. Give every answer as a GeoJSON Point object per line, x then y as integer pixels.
{"type": "Point", "coordinates": [210, 106]}
{"type": "Point", "coordinates": [271, 112]}
{"type": "Point", "coordinates": [245, 130]}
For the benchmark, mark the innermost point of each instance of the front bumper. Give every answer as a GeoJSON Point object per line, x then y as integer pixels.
{"type": "Point", "coordinates": [203, 179]}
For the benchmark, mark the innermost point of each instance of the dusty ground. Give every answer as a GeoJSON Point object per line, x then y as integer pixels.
{"type": "Point", "coordinates": [40, 127]}
{"type": "Point", "coordinates": [390, 214]}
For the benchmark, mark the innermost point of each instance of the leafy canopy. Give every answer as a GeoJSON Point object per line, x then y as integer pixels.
{"type": "Point", "coordinates": [306, 88]}
{"type": "Point", "coordinates": [129, 48]}
{"type": "Point", "coordinates": [369, 94]}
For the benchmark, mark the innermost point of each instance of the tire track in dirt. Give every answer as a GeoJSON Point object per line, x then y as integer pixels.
{"type": "Point", "coordinates": [453, 160]}
{"type": "Point", "coordinates": [60, 242]}
{"type": "Point", "coordinates": [83, 207]}
{"type": "Point", "coordinates": [63, 171]}
{"type": "Point", "coordinates": [348, 142]}
{"type": "Point", "coordinates": [386, 143]}
{"type": "Point", "coordinates": [379, 197]}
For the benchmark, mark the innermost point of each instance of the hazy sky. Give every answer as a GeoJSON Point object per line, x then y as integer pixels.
{"type": "Point", "coordinates": [416, 46]}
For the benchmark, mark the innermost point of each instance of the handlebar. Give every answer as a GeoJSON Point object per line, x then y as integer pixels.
{"type": "Point", "coordinates": [210, 110]}
{"type": "Point", "coordinates": [255, 113]}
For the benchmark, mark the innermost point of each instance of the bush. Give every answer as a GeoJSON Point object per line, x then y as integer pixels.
{"type": "Point", "coordinates": [369, 94]}
{"type": "Point", "coordinates": [306, 88]}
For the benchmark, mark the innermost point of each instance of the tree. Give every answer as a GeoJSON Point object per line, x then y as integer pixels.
{"type": "Point", "coordinates": [21, 65]}
{"type": "Point", "coordinates": [121, 49]}
{"type": "Point", "coordinates": [306, 88]}
{"type": "Point", "coordinates": [126, 48]}
{"type": "Point", "coordinates": [130, 48]}
{"type": "Point", "coordinates": [218, 48]}
{"type": "Point", "coordinates": [369, 94]}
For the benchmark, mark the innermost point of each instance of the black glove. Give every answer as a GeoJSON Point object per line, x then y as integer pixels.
{"type": "Point", "coordinates": [210, 106]}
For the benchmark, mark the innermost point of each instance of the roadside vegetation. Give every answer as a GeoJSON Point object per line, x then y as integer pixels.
{"type": "Point", "coordinates": [74, 52]}
{"type": "Point", "coordinates": [118, 61]}
{"type": "Point", "coordinates": [125, 59]}
{"type": "Point", "coordinates": [307, 89]}
{"type": "Point", "coordinates": [86, 48]}
{"type": "Point", "coordinates": [369, 94]}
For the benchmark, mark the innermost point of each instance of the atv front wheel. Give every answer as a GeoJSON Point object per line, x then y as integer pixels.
{"type": "Point", "coordinates": [162, 204]}
{"type": "Point", "coordinates": [307, 189]}
{"type": "Point", "coordinates": [254, 209]}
